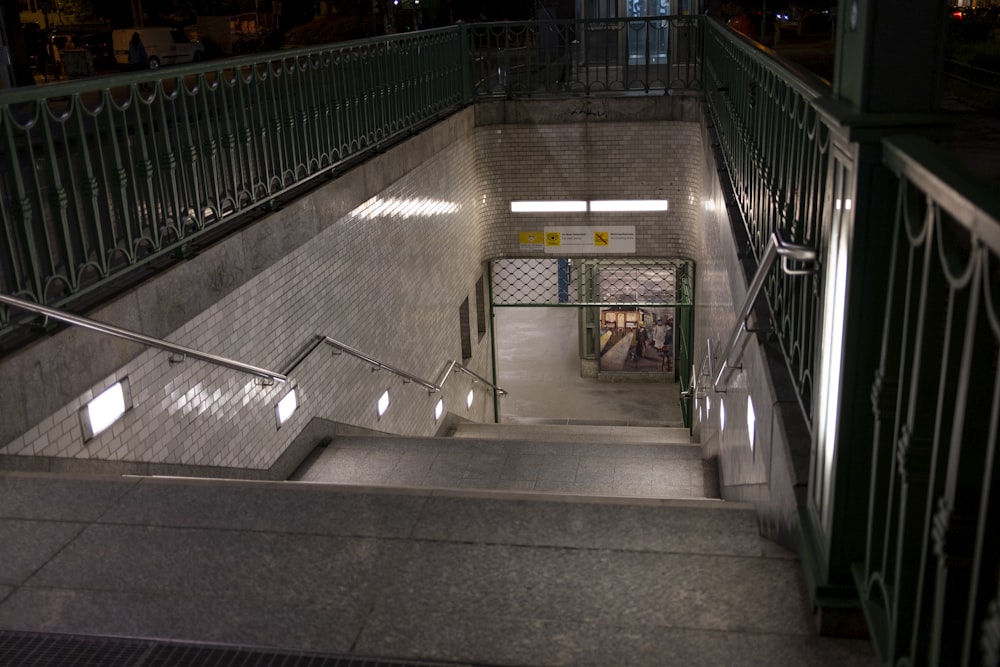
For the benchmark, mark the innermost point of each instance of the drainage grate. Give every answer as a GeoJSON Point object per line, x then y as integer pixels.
{"type": "Point", "coordinates": [51, 650]}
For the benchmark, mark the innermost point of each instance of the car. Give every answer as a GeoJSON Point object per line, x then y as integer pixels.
{"type": "Point", "coordinates": [163, 46]}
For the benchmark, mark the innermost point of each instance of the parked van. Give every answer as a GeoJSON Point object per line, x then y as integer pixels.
{"type": "Point", "coordinates": [163, 46]}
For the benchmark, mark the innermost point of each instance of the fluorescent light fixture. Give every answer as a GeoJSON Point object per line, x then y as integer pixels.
{"type": "Point", "coordinates": [288, 404]}
{"type": "Point", "coordinates": [439, 409]}
{"type": "Point", "coordinates": [105, 409]}
{"type": "Point", "coordinates": [722, 415]}
{"type": "Point", "coordinates": [469, 398]}
{"type": "Point", "coordinates": [383, 403]}
{"type": "Point", "coordinates": [567, 206]}
{"type": "Point", "coordinates": [751, 423]}
{"type": "Point", "coordinates": [621, 205]}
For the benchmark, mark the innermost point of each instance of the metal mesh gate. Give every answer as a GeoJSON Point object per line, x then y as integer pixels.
{"type": "Point", "coordinates": [603, 287]}
{"type": "Point", "coordinates": [592, 282]}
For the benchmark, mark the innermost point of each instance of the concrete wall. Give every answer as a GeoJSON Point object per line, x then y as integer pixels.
{"type": "Point", "coordinates": [766, 463]}
{"type": "Point", "coordinates": [349, 260]}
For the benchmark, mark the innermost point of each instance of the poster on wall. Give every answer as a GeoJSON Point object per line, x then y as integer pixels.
{"type": "Point", "coordinates": [637, 339]}
{"type": "Point", "coordinates": [590, 240]}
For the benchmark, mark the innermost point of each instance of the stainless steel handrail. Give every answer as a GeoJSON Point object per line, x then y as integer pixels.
{"type": "Point", "coordinates": [776, 247]}
{"type": "Point", "coordinates": [432, 388]}
{"type": "Point", "coordinates": [142, 339]}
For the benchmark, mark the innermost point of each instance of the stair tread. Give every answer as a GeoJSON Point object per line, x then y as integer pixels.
{"type": "Point", "coordinates": [610, 462]}
{"type": "Point", "coordinates": [578, 433]}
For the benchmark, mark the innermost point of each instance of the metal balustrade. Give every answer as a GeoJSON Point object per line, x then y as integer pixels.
{"type": "Point", "coordinates": [106, 175]}
{"type": "Point", "coordinates": [641, 54]}
{"type": "Point", "coordinates": [929, 582]}
{"type": "Point", "coordinates": [776, 144]}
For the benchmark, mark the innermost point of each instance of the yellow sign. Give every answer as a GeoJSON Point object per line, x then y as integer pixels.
{"type": "Point", "coordinates": [601, 238]}
{"type": "Point", "coordinates": [531, 238]}
{"type": "Point", "coordinates": [552, 238]}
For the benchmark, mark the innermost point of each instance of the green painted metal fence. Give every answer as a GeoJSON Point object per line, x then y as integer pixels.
{"type": "Point", "coordinates": [930, 580]}
{"type": "Point", "coordinates": [103, 176]}
{"type": "Point", "coordinates": [776, 146]}
{"type": "Point", "coordinates": [929, 576]}
{"type": "Point", "coordinates": [106, 175]}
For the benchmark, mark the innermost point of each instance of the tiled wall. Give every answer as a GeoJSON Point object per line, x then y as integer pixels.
{"type": "Point", "coordinates": [593, 160]}
{"type": "Point", "coordinates": [764, 461]}
{"type": "Point", "coordinates": [368, 269]}
{"type": "Point", "coordinates": [387, 278]}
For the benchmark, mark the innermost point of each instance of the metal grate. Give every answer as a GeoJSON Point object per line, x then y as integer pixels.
{"type": "Point", "coordinates": [591, 282]}
{"type": "Point", "coordinates": [50, 650]}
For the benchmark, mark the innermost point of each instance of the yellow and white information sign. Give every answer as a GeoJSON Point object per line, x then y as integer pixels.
{"type": "Point", "coordinates": [532, 240]}
{"type": "Point", "coordinates": [590, 240]}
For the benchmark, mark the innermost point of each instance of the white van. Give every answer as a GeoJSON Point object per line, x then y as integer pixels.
{"type": "Point", "coordinates": [163, 46]}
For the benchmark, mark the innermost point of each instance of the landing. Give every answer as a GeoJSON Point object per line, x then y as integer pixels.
{"type": "Point", "coordinates": [539, 364]}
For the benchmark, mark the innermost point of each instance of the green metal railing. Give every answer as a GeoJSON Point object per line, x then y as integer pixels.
{"type": "Point", "coordinates": [776, 147]}
{"type": "Point", "coordinates": [641, 54]}
{"type": "Point", "coordinates": [102, 176]}
{"type": "Point", "coordinates": [105, 175]}
{"type": "Point", "coordinates": [930, 581]}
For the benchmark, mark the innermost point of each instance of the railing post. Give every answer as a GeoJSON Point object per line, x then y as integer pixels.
{"type": "Point", "coordinates": [465, 57]}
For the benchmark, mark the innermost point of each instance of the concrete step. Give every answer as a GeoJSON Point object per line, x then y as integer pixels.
{"type": "Point", "coordinates": [511, 461]}
{"type": "Point", "coordinates": [421, 575]}
{"type": "Point", "coordinates": [550, 431]}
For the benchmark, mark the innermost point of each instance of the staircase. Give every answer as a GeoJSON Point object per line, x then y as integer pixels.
{"type": "Point", "coordinates": [586, 544]}
{"type": "Point", "coordinates": [522, 545]}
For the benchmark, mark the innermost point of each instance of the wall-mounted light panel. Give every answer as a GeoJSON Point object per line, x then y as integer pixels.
{"type": "Point", "coordinates": [288, 404]}
{"type": "Point", "coordinates": [383, 403]}
{"type": "Point", "coordinates": [105, 409]}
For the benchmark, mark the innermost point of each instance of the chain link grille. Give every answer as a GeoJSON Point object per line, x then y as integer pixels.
{"type": "Point", "coordinates": [591, 282]}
